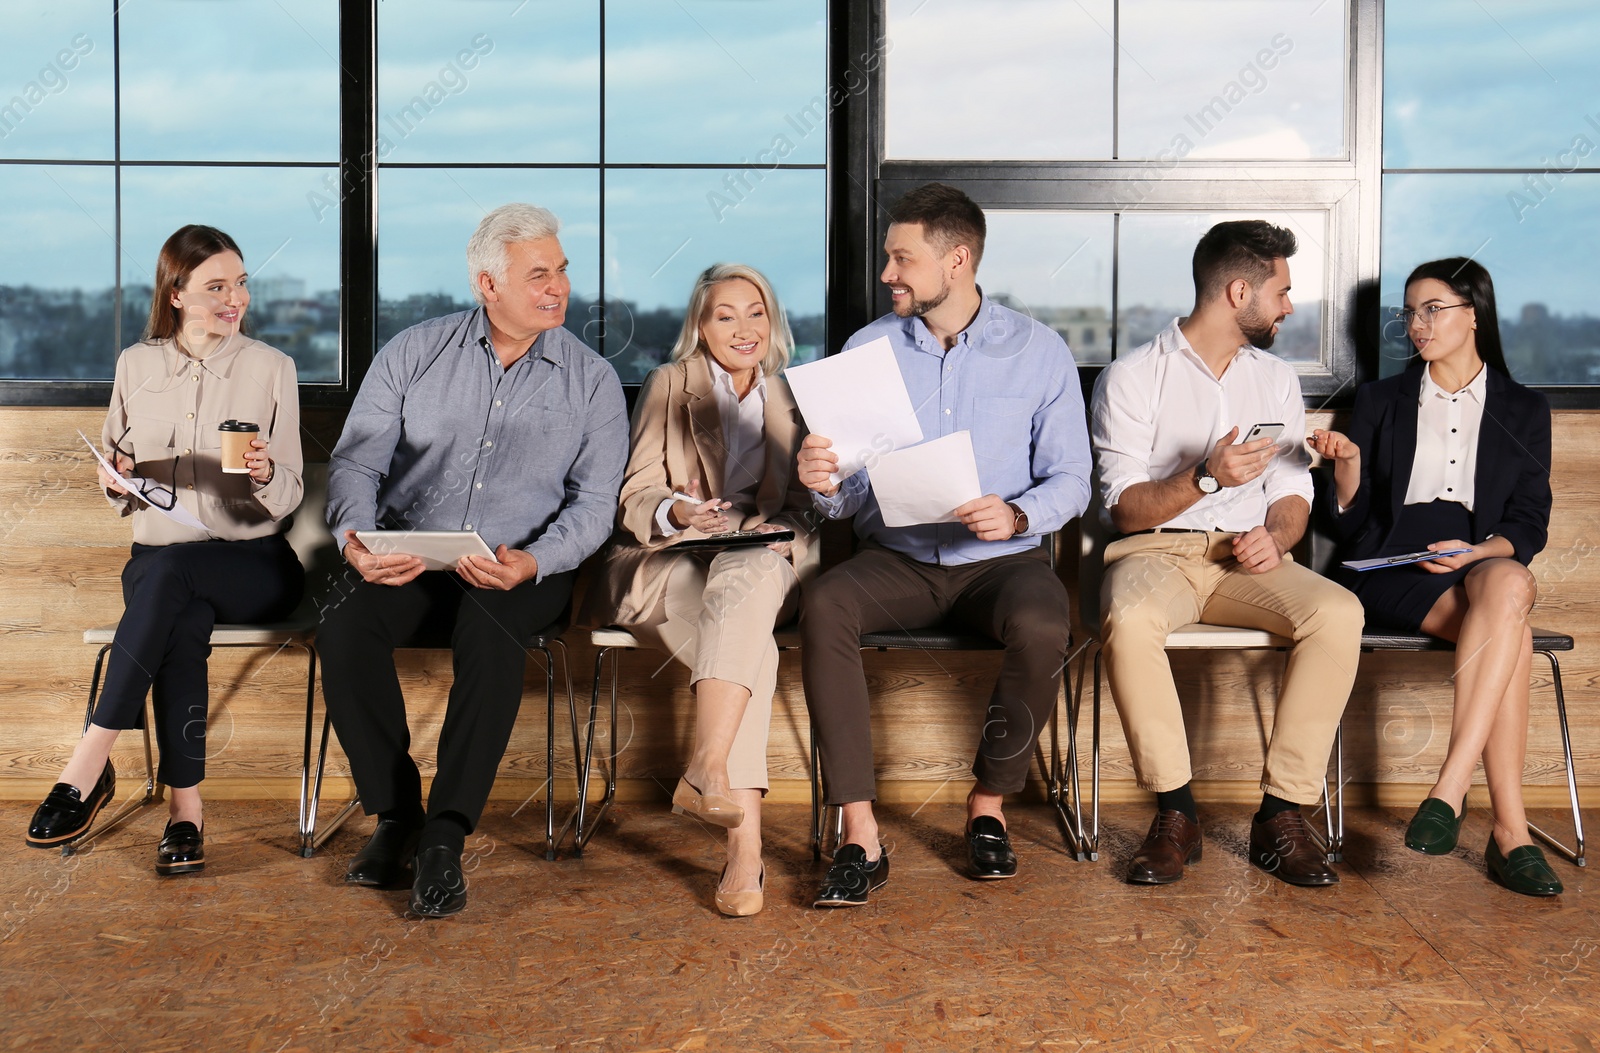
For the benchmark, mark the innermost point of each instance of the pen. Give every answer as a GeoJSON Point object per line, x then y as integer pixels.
{"type": "Point", "coordinates": [691, 498]}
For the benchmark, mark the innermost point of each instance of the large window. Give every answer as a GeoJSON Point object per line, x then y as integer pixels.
{"type": "Point", "coordinates": [666, 136]}
{"type": "Point", "coordinates": [1104, 137]}
{"type": "Point", "coordinates": [127, 121]}
{"type": "Point", "coordinates": [1491, 149]}
{"type": "Point", "coordinates": [351, 153]}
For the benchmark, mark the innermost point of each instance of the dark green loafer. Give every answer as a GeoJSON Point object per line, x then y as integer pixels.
{"type": "Point", "coordinates": [1524, 870]}
{"type": "Point", "coordinates": [1435, 827]}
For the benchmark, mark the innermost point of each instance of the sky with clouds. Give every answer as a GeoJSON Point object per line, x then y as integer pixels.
{"type": "Point", "coordinates": [1490, 84]}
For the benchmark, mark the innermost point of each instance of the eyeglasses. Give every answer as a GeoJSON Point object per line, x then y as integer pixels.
{"type": "Point", "coordinates": [1407, 317]}
{"type": "Point", "coordinates": [162, 497]}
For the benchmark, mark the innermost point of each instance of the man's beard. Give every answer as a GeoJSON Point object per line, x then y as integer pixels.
{"type": "Point", "coordinates": [915, 308]}
{"type": "Point", "coordinates": [1256, 327]}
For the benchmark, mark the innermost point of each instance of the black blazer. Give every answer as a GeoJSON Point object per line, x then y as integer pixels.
{"type": "Point", "coordinates": [1511, 485]}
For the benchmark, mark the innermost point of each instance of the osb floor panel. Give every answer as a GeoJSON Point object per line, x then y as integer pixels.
{"type": "Point", "coordinates": [621, 949]}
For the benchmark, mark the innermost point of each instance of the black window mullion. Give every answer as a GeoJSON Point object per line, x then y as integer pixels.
{"type": "Point", "coordinates": [358, 234]}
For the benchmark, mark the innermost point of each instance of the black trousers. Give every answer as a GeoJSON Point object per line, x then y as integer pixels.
{"type": "Point", "coordinates": [173, 595]}
{"type": "Point", "coordinates": [1017, 600]}
{"type": "Point", "coordinates": [486, 630]}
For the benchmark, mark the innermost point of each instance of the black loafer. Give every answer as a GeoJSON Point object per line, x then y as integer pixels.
{"type": "Point", "coordinates": [989, 849]}
{"type": "Point", "coordinates": [851, 877]}
{"type": "Point", "coordinates": [65, 815]}
{"type": "Point", "coordinates": [384, 860]}
{"type": "Point", "coordinates": [440, 889]}
{"type": "Point", "coordinates": [181, 851]}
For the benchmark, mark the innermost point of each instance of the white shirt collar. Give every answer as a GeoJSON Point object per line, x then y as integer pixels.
{"type": "Point", "coordinates": [723, 380]}
{"type": "Point", "coordinates": [1477, 388]}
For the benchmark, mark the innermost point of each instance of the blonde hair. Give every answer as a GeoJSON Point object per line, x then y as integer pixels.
{"type": "Point", "coordinates": [780, 344]}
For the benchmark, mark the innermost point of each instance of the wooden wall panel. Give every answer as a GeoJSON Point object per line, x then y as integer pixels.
{"type": "Point", "coordinates": [61, 554]}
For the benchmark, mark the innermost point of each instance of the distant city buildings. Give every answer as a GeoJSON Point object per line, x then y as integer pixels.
{"type": "Point", "coordinates": [68, 334]}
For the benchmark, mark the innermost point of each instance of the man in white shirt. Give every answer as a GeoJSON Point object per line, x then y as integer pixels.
{"type": "Point", "coordinates": [1206, 525]}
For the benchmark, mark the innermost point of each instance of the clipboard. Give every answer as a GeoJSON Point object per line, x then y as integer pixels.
{"type": "Point", "coordinates": [738, 539]}
{"type": "Point", "coordinates": [1400, 561]}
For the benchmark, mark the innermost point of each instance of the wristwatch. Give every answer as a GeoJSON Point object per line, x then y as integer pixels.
{"type": "Point", "coordinates": [1019, 520]}
{"type": "Point", "coordinates": [1204, 479]}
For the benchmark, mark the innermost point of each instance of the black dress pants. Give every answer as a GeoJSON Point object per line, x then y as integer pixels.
{"type": "Point", "coordinates": [487, 630]}
{"type": "Point", "coordinates": [1015, 599]}
{"type": "Point", "coordinates": [173, 595]}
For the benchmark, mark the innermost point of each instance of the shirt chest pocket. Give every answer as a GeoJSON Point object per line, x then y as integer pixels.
{"type": "Point", "coordinates": [149, 440]}
{"type": "Point", "coordinates": [1001, 427]}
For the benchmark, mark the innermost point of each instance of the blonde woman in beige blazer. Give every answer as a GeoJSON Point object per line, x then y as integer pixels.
{"type": "Point", "coordinates": [717, 424]}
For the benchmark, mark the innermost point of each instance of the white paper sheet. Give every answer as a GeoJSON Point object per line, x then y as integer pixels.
{"type": "Point", "coordinates": [927, 483]}
{"type": "Point", "coordinates": [134, 484]}
{"type": "Point", "coordinates": [858, 399]}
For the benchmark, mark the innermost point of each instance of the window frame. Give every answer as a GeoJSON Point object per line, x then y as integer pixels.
{"type": "Point", "coordinates": [1347, 188]}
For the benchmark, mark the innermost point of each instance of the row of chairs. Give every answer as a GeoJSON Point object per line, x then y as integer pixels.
{"type": "Point", "coordinates": [1079, 813]}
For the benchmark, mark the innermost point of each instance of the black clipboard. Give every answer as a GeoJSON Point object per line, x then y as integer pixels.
{"type": "Point", "coordinates": [738, 539]}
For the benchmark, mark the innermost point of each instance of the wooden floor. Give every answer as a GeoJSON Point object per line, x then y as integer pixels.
{"type": "Point", "coordinates": [621, 949]}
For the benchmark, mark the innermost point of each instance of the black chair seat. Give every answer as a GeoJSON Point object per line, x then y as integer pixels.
{"type": "Point", "coordinates": [935, 638]}
{"type": "Point", "coordinates": [1543, 640]}
{"type": "Point", "coordinates": [433, 640]}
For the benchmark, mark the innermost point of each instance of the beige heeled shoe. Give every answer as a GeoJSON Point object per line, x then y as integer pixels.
{"type": "Point", "coordinates": [742, 904]}
{"type": "Point", "coordinates": [719, 811]}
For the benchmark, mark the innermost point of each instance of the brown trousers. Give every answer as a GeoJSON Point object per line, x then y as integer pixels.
{"type": "Point", "coordinates": [1016, 599]}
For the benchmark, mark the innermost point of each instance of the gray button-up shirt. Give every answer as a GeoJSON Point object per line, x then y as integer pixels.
{"type": "Point", "coordinates": [442, 438]}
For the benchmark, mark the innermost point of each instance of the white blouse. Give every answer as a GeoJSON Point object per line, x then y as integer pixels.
{"type": "Point", "coordinates": [744, 437]}
{"type": "Point", "coordinates": [1447, 441]}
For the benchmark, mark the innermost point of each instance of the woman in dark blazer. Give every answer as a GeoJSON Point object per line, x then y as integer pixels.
{"type": "Point", "coordinates": [1454, 454]}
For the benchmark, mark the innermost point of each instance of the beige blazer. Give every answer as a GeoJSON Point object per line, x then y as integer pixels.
{"type": "Point", "coordinates": [677, 438]}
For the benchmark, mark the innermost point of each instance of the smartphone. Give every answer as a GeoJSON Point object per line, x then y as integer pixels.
{"type": "Point", "coordinates": [1263, 431]}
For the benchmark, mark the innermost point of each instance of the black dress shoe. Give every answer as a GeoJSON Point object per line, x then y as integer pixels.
{"type": "Point", "coordinates": [440, 889]}
{"type": "Point", "coordinates": [181, 851]}
{"type": "Point", "coordinates": [1172, 844]}
{"type": "Point", "coordinates": [387, 854]}
{"type": "Point", "coordinates": [1284, 847]}
{"type": "Point", "coordinates": [851, 877]}
{"type": "Point", "coordinates": [989, 849]}
{"type": "Point", "coordinates": [65, 815]}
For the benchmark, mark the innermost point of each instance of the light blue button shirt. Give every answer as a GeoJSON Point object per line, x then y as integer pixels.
{"type": "Point", "coordinates": [1013, 383]}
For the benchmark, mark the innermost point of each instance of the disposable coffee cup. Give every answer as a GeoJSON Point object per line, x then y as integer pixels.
{"type": "Point", "coordinates": [236, 436]}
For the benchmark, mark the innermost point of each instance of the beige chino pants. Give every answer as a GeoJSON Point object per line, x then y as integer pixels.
{"type": "Point", "coordinates": [717, 617]}
{"type": "Point", "coordinates": [1155, 583]}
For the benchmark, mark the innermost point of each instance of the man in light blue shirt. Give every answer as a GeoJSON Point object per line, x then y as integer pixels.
{"type": "Point", "coordinates": [969, 364]}
{"type": "Point", "coordinates": [495, 420]}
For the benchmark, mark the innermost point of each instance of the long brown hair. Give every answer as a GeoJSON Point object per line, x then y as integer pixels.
{"type": "Point", "coordinates": [186, 250]}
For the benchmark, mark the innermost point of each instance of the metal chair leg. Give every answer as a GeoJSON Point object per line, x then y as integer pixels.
{"type": "Point", "coordinates": [1576, 855]}
{"type": "Point", "coordinates": [152, 789]}
{"type": "Point", "coordinates": [586, 824]}
{"type": "Point", "coordinates": [549, 753]}
{"type": "Point", "coordinates": [1066, 790]}
{"type": "Point", "coordinates": [311, 838]}
{"type": "Point", "coordinates": [1333, 803]}
{"type": "Point", "coordinates": [816, 799]}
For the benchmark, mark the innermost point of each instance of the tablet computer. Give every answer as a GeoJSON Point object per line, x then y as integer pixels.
{"type": "Point", "coordinates": [438, 549]}
{"type": "Point", "coordinates": [737, 539]}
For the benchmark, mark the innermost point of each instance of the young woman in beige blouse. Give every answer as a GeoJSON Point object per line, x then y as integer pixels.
{"type": "Point", "coordinates": [719, 425]}
{"type": "Point", "coordinates": [193, 371]}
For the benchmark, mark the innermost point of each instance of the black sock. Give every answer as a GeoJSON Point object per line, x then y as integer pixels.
{"type": "Point", "coordinates": [411, 816]}
{"type": "Point", "coordinates": [1271, 806]}
{"type": "Point", "coordinates": [1179, 800]}
{"type": "Point", "coordinates": [447, 830]}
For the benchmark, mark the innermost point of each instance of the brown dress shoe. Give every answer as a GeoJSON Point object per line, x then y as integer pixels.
{"type": "Point", "coordinates": [1173, 840]}
{"type": "Point", "coordinates": [1284, 847]}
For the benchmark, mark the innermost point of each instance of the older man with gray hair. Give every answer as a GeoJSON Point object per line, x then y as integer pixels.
{"type": "Point", "coordinates": [495, 420]}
